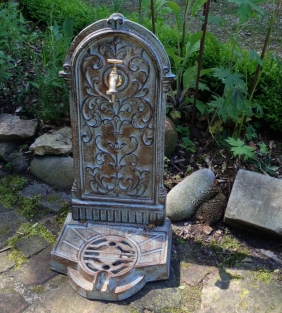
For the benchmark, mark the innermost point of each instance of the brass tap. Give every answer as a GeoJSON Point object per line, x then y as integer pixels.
{"type": "Point", "coordinates": [115, 79]}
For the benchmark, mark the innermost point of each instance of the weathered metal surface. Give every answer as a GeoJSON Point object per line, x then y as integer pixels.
{"type": "Point", "coordinates": [118, 134]}
{"type": "Point", "coordinates": [118, 74]}
{"type": "Point", "coordinates": [112, 261]}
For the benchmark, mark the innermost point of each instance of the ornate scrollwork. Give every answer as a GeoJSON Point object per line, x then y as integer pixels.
{"type": "Point", "coordinates": [132, 108]}
{"type": "Point", "coordinates": [113, 159]}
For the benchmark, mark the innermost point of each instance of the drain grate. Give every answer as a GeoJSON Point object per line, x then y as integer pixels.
{"type": "Point", "coordinates": [114, 254]}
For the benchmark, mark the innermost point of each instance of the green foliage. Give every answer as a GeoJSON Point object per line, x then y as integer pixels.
{"type": "Point", "coordinates": [81, 13]}
{"type": "Point", "coordinates": [188, 144]}
{"type": "Point", "coordinates": [268, 94]}
{"type": "Point", "coordinates": [62, 214]}
{"type": "Point", "coordinates": [233, 250]}
{"type": "Point", "coordinates": [52, 91]}
{"type": "Point", "coordinates": [28, 207]}
{"type": "Point", "coordinates": [12, 27]}
{"type": "Point", "coordinates": [239, 149]}
{"type": "Point", "coordinates": [160, 11]}
{"type": "Point", "coordinates": [9, 186]}
{"type": "Point", "coordinates": [248, 9]}
{"type": "Point", "coordinates": [181, 50]}
{"type": "Point", "coordinates": [166, 162]}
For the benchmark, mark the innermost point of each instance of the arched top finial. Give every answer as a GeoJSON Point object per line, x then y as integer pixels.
{"type": "Point", "coordinates": [116, 20]}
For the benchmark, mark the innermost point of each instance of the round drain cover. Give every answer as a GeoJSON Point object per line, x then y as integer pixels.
{"type": "Point", "coordinates": [114, 254]}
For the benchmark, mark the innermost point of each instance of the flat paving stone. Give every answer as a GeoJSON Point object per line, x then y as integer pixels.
{"type": "Point", "coordinates": [35, 190]}
{"type": "Point", "coordinates": [193, 274]}
{"type": "Point", "coordinates": [5, 262]}
{"type": "Point", "coordinates": [37, 271]}
{"type": "Point", "coordinates": [31, 246]}
{"type": "Point", "coordinates": [9, 224]}
{"type": "Point", "coordinates": [12, 303]}
{"type": "Point", "coordinates": [237, 291]}
{"type": "Point", "coordinates": [66, 300]}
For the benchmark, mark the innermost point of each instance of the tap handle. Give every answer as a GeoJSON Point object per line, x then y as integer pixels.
{"type": "Point", "coordinates": [114, 61]}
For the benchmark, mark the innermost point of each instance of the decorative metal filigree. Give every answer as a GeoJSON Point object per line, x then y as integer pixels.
{"type": "Point", "coordinates": [114, 254]}
{"type": "Point", "coordinates": [116, 154]}
{"type": "Point", "coordinates": [120, 157]}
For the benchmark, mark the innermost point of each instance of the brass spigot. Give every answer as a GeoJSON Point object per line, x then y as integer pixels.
{"type": "Point", "coordinates": [115, 79]}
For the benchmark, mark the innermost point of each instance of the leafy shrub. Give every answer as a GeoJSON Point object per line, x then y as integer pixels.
{"type": "Point", "coordinates": [269, 94]}
{"type": "Point", "coordinates": [81, 13]}
{"type": "Point", "coordinates": [11, 37]}
{"type": "Point", "coordinates": [51, 90]}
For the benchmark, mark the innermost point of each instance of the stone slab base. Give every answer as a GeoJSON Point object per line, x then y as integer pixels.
{"type": "Point", "coordinates": [111, 261]}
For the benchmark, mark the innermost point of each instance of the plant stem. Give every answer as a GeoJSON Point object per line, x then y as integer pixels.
{"type": "Point", "coordinates": [266, 43]}
{"type": "Point", "coordinates": [187, 7]}
{"type": "Point", "coordinates": [153, 17]}
{"type": "Point", "coordinates": [201, 52]}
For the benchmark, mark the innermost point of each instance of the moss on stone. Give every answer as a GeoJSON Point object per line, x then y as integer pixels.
{"type": "Point", "coordinates": [185, 265]}
{"type": "Point", "coordinates": [52, 198]}
{"type": "Point", "coordinates": [9, 186]}
{"type": "Point", "coordinates": [28, 207]}
{"type": "Point", "coordinates": [62, 214]}
{"type": "Point", "coordinates": [263, 275]}
{"type": "Point", "coordinates": [190, 301]}
{"type": "Point", "coordinates": [4, 230]}
{"type": "Point", "coordinates": [39, 289]}
{"type": "Point", "coordinates": [27, 230]}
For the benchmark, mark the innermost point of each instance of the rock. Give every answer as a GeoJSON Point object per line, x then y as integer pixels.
{"type": "Point", "coordinates": [37, 270]}
{"type": "Point", "coordinates": [223, 293]}
{"type": "Point", "coordinates": [31, 191]}
{"type": "Point", "coordinates": [50, 200]}
{"type": "Point", "coordinates": [182, 199]}
{"type": "Point", "coordinates": [31, 246]}
{"type": "Point", "coordinates": [255, 203]}
{"type": "Point", "coordinates": [5, 262]}
{"type": "Point", "coordinates": [11, 302]}
{"type": "Point", "coordinates": [54, 202]}
{"type": "Point", "coordinates": [6, 148]}
{"type": "Point", "coordinates": [271, 255]}
{"type": "Point", "coordinates": [53, 142]}
{"type": "Point", "coordinates": [10, 221]}
{"type": "Point", "coordinates": [2, 171]}
{"type": "Point", "coordinates": [18, 162]}
{"type": "Point", "coordinates": [194, 273]}
{"type": "Point", "coordinates": [170, 137]}
{"type": "Point", "coordinates": [53, 170]}
{"type": "Point", "coordinates": [13, 128]}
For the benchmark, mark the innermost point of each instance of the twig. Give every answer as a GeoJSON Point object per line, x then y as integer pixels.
{"type": "Point", "coordinates": [178, 161]}
{"type": "Point", "coordinates": [5, 249]}
{"type": "Point", "coordinates": [228, 253]}
{"type": "Point", "coordinates": [175, 166]}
